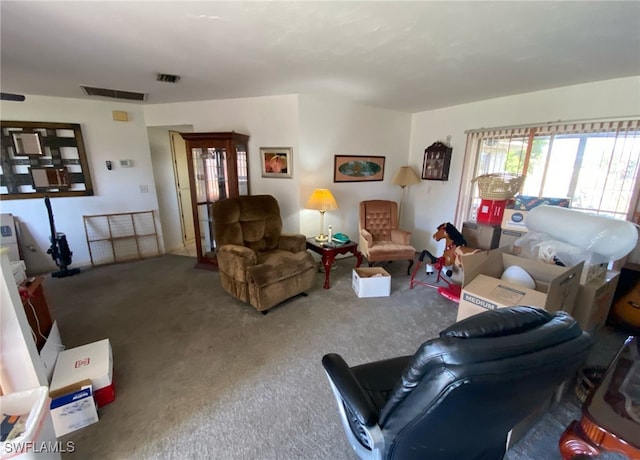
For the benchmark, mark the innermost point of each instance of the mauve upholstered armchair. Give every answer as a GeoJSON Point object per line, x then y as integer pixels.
{"type": "Point", "coordinates": [380, 238]}
{"type": "Point", "coordinates": [460, 394]}
{"type": "Point", "coordinates": [259, 264]}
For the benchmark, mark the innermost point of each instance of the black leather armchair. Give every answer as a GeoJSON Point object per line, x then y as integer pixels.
{"type": "Point", "coordinates": [460, 394]}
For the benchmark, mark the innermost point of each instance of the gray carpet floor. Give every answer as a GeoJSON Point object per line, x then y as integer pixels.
{"type": "Point", "coordinates": [201, 375]}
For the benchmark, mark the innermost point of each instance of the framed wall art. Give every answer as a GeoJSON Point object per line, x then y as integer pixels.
{"type": "Point", "coordinates": [276, 161]}
{"type": "Point", "coordinates": [356, 168]}
{"type": "Point", "coordinates": [39, 159]}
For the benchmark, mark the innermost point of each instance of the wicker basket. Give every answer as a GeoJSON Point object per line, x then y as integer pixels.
{"type": "Point", "coordinates": [588, 379]}
{"type": "Point", "coordinates": [498, 186]}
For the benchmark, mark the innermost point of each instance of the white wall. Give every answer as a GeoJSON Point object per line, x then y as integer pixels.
{"type": "Point", "coordinates": [118, 190]}
{"type": "Point", "coordinates": [435, 202]}
{"type": "Point", "coordinates": [329, 127]}
{"type": "Point", "coordinates": [317, 129]}
{"type": "Point", "coordinates": [163, 175]}
{"type": "Point", "coordinates": [269, 121]}
{"type": "Point", "coordinates": [20, 366]}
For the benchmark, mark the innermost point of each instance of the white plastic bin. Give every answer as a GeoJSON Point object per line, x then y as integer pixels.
{"type": "Point", "coordinates": [37, 442]}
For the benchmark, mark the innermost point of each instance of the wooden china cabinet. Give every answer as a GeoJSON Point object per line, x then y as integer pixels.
{"type": "Point", "coordinates": [218, 167]}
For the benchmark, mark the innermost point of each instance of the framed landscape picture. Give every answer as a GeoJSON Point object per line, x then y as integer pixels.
{"type": "Point", "coordinates": [276, 161]}
{"type": "Point", "coordinates": [356, 168]}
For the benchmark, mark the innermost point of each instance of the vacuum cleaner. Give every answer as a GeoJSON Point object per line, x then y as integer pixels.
{"type": "Point", "coordinates": [59, 250]}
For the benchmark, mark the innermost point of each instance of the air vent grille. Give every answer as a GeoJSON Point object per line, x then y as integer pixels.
{"type": "Point", "coordinates": [168, 78]}
{"type": "Point", "coordinates": [114, 93]}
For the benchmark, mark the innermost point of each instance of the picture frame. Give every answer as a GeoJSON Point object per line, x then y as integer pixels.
{"type": "Point", "coordinates": [276, 162]}
{"type": "Point", "coordinates": [26, 143]}
{"type": "Point", "coordinates": [47, 178]}
{"type": "Point", "coordinates": [358, 168]}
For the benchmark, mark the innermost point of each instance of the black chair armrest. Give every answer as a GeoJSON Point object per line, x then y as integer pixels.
{"type": "Point", "coordinates": [352, 393]}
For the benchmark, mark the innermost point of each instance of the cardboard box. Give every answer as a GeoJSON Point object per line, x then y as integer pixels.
{"type": "Point", "coordinates": [527, 203]}
{"type": "Point", "coordinates": [93, 361]}
{"type": "Point", "coordinates": [593, 272]}
{"type": "Point", "coordinates": [19, 270]}
{"type": "Point", "coordinates": [523, 427]}
{"type": "Point", "coordinates": [8, 236]}
{"type": "Point", "coordinates": [508, 237]}
{"type": "Point", "coordinates": [73, 407]}
{"type": "Point", "coordinates": [50, 350]}
{"type": "Point", "coordinates": [593, 302]}
{"type": "Point", "coordinates": [515, 215]}
{"type": "Point", "coordinates": [482, 289]}
{"type": "Point", "coordinates": [371, 282]}
{"type": "Point", "coordinates": [481, 236]}
{"type": "Point", "coordinates": [513, 219]}
{"type": "Point", "coordinates": [491, 211]}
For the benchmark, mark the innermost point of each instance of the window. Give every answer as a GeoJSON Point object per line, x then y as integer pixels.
{"type": "Point", "coordinates": [595, 164]}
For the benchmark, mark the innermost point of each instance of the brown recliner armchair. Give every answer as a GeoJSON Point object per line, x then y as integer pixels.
{"type": "Point", "coordinates": [259, 264]}
{"type": "Point", "coordinates": [380, 238]}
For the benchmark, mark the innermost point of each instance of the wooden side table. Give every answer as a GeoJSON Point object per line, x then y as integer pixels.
{"type": "Point", "coordinates": [36, 309]}
{"type": "Point", "coordinates": [611, 415]}
{"type": "Point", "coordinates": [329, 255]}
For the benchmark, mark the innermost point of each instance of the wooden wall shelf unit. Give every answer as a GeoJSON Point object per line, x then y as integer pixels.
{"type": "Point", "coordinates": [218, 166]}
{"type": "Point", "coordinates": [437, 161]}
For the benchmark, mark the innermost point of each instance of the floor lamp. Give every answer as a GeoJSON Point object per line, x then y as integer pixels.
{"type": "Point", "coordinates": [322, 200]}
{"type": "Point", "coordinates": [405, 176]}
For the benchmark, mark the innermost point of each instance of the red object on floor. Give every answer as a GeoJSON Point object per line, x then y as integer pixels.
{"type": "Point", "coordinates": [105, 395]}
{"type": "Point", "coordinates": [491, 211]}
{"type": "Point", "coordinates": [452, 292]}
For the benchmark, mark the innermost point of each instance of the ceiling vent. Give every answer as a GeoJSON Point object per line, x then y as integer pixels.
{"type": "Point", "coordinates": [114, 93]}
{"type": "Point", "coordinates": [167, 78]}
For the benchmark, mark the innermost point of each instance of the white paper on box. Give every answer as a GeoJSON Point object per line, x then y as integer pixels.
{"type": "Point", "coordinates": [19, 270]}
{"type": "Point", "coordinates": [92, 361]}
{"type": "Point", "coordinates": [73, 408]}
{"type": "Point", "coordinates": [507, 294]}
{"type": "Point", "coordinates": [8, 237]}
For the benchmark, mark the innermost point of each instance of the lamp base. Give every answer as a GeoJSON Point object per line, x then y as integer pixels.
{"type": "Point", "coordinates": [322, 237]}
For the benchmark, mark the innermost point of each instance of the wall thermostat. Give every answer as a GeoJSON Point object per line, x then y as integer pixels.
{"type": "Point", "coordinates": [126, 163]}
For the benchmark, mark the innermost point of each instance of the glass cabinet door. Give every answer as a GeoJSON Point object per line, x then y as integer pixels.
{"type": "Point", "coordinates": [242, 168]}
{"type": "Point", "coordinates": [218, 170]}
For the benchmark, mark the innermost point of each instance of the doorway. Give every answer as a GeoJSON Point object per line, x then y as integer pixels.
{"type": "Point", "coordinates": [175, 234]}
{"type": "Point", "coordinates": [183, 191]}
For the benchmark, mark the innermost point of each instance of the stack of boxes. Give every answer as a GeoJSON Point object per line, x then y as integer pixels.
{"type": "Point", "coordinates": [499, 225]}
{"type": "Point", "coordinates": [513, 219]}
{"type": "Point", "coordinates": [82, 381]}
{"type": "Point", "coordinates": [556, 287]}
{"type": "Point", "coordinates": [595, 296]}
{"type": "Point", "coordinates": [9, 241]}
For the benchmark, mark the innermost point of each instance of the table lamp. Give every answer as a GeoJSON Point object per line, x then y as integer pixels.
{"type": "Point", "coordinates": [322, 200]}
{"type": "Point", "coordinates": [405, 176]}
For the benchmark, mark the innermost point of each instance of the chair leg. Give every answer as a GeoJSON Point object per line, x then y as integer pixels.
{"type": "Point", "coordinates": [409, 267]}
